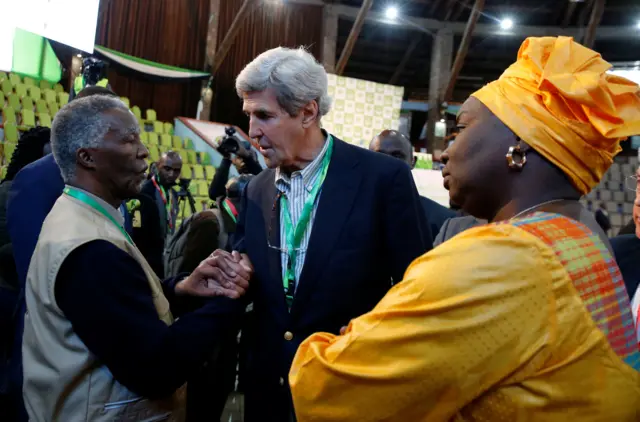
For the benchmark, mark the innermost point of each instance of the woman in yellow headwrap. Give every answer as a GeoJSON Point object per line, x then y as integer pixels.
{"type": "Point", "coordinates": [524, 319]}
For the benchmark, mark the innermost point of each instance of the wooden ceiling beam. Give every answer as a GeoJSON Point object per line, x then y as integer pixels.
{"type": "Point", "coordinates": [245, 10]}
{"type": "Point", "coordinates": [464, 47]}
{"type": "Point", "coordinates": [463, 6]}
{"type": "Point", "coordinates": [404, 61]}
{"type": "Point", "coordinates": [353, 36]}
{"type": "Point", "coordinates": [594, 22]}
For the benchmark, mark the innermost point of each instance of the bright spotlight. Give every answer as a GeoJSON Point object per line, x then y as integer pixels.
{"type": "Point", "coordinates": [391, 13]}
{"type": "Point", "coordinates": [638, 25]}
{"type": "Point", "coordinates": [506, 24]}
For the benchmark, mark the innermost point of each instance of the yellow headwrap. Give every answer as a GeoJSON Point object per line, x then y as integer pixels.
{"type": "Point", "coordinates": [559, 99]}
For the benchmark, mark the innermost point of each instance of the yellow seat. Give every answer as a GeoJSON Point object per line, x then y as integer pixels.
{"type": "Point", "coordinates": [41, 106]}
{"type": "Point", "coordinates": [198, 172]}
{"type": "Point", "coordinates": [203, 188]}
{"type": "Point", "coordinates": [183, 155]}
{"type": "Point", "coordinates": [153, 138]}
{"type": "Point", "coordinates": [126, 101]}
{"type": "Point", "coordinates": [7, 87]}
{"type": "Point", "coordinates": [164, 148]}
{"type": "Point", "coordinates": [168, 128]}
{"type": "Point", "coordinates": [21, 90]}
{"type": "Point", "coordinates": [136, 112]}
{"type": "Point", "coordinates": [49, 96]}
{"type": "Point", "coordinates": [144, 137]}
{"type": "Point", "coordinates": [28, 81]}
{"type": "Point", "coordinates": [45, 119]}
{"type": "Point", "coordinates": [14, 102]}
{"type": "Point", "coordinates": [158, 127]}
{"type": "Point", "coordinates": [9, 148]}
{"type": "Point", "coordinates": [15, 79]}
{"type": "Point", "coordinates": [53, 108]}
{"type": "Point", "coordinates": [151, 115]}
{"type": "Point", "coordinates": [3, 172]}
{"type": "Point", "coordinates": [209, 171]}
{"type": "Point", "coordinates": [34, 92]}
{"type": "Point", "coordinates": [165, 141]}
{"type": "Point", "coordinates": [203, 158]}
{"type": "Point", "coordinates": [27, 103]}
{"type": "Point", "coordinates": [187, 172]}
{"type": "Point", "coordinates": [11, 132]}
{"type": "Point", "coordinates": [28, 118]}
{"type": "Point", "coordinates": [3, 76]}
{"type": "Point", "coordinates": [188, 143]}
{"type": "Point", "coordinates": [177, 142]}
{"type": "Point", "coordinates": [192, 157]}
{"type": "Point", "coordinates": [9, 115]}
{"type": "Point", "coordinates": [45, 85]}
{"type": "Point", "coordinates": [63, 98]}
{"type": "Point", "coordinates": [154, 154]}
{"type": "Point", "coordinates": [58, 88]}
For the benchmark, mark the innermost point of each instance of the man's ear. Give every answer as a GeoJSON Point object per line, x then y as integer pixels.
{"type": "Point", "coordinates": [414, 160]}
{"type": "Point", "coordinates": [309, 114]}
{"type": "Point", "coordinates": [85, 158]}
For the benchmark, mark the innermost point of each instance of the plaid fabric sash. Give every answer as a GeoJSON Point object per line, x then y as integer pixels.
{"type": "Point", "coordinates": [595, 275]}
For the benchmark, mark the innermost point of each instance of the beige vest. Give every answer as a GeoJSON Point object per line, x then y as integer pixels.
{"type": "Point", "coordinates": [63, 380]}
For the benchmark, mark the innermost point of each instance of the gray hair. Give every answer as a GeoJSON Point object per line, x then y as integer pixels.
{"type": "Point", "coordinates": [295, 76]}
{"type": "Point", "coordinates": [80, 124]}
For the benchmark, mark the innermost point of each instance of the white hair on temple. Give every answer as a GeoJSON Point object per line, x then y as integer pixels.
{"type": "Point", "coordinates": [294, 74]}
{"type": "Point", "coordinates": [80, 124]}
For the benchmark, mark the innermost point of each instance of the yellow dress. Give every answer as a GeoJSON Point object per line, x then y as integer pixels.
{"type": "Point", "coordinates": [523, 321]}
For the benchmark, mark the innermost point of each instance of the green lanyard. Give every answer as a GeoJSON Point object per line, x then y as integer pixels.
{"type": "Point", "coordinates": [293, 237]}
{"type": "Point", "coordinates": [83, 197]}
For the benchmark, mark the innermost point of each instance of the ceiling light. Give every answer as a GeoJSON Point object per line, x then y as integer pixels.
{"type": "Point", "coordinates": [638, 25]}
{"type": "Point", "coordinates": [79, 55]}
{"type": "Point", "coordinates": [391, 13]}
{"type": "Point", "coordinates": [506, 24]}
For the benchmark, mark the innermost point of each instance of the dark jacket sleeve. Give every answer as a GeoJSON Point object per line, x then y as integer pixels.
{"type": "Point", "coordinates": [106, 297]}
{"type": "Point", "coordinates": [407, 233]}
{"type": "Point", "coordinates": [148, 236]}
{"type": "Point", "coordinates": [217, 187]}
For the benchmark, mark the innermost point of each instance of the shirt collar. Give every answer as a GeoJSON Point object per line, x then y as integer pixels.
{"type": "Point", "coordinates": [113, 212]}
{"type": "Point", "coordinates": [308, 173]}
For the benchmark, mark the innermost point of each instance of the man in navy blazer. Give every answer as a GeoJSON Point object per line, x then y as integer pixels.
{"type": "Point", "coordinates": [328, 228]}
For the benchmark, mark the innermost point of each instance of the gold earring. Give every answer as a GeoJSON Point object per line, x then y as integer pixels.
{"type": "Point", "coordinates": [512, 157]}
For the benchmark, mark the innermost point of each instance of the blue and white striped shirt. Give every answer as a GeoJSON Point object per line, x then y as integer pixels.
{"type": "Point", "coordinates": [297, 188]}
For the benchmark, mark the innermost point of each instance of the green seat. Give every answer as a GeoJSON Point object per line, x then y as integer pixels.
{"type": "Point", "coordinates": [14, 101]}
{"type": "Point", "coordinates": [53, 108]}
{"type": "Point", "coordinates": [63, 98]}
{"type": "Point", "coordinates": [136, 112]}
{"type": "Point", "coordinates": [153, 138]}
{"type": "Point", "coordinates": [21, 90]}
{"type": "Point", "coordinates": [203, 158]}
{"type": "Point", "coordinates": [15, 79]}
{"type": "Point", "coordinates": [209, 171]}
{"type": "Point", "coordinates": [27, 103]}
{"type": "Point", "coordinates": [188, 143]}
{"type": "Point", "coordinates": [187, 173]}
{"type": "Point", "coordinates": [168, 128]}
{"type": "Point", "coordinates": [28, 119]}
{"type": "Point", "coordinates": [45, 119]}
{"type": "Point", "coordinates": [45, 85]}
{"type": "Point", "coordinates": [34, 92]}
{"type": "Point", "coordinates": [163, 149]}
{"type": "Point", "coordinates": [58, 88]}
{"type": "Point", "coordinates": [8, 115]}
{"type": "Point", "coordinates": [9, 148]}
{"type": "Point", "coordinates": [28, 81]}
{"type": "Point", "coordinates": [198, 172]}
{"type": "Point", "coordinates": [11, 132]}
{"type": "Point", "coordinates": [154, 154]}
{"type": "Point", "coordinates": [49, 96]}
{"type": "Point", "coordinates": [7, 87]}
{"type": "Point", "coordinates": [192, 157]}
{"type": "Point", "coordinates": [144, 137]}
{"type": "Point", "coordinates": [184, 156]}
{"type": "Point", "coordinates": [3, 76]}
{"type": "Point", "coordinates": [165, 141]}
{"type": "Point", "coordinates": [126, 101]}
{"type": "Point", "coordinates": [151, 115]}
{"type": "Point", "coordinates": [177, 142]}
{"type": "Point", "coordinates": [203, 188]}
{"type": "Point", "coordinates": [41, 106]}
{"type": "Point", "coordinates": [3, 172]}
{"type": "Point", "coordinates": [158, 127]}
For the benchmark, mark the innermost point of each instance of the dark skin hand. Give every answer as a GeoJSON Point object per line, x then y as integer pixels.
{"type": "Point", "coordinates": [222, 274]}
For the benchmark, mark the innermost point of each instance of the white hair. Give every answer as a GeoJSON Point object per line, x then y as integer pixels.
{"type": "Point", "coordinates": [80, 124]}
{"type": "Point", "coordinates": [294, 74]}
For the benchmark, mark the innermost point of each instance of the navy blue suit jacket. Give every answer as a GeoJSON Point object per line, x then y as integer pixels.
{"type": "Point", "coordinates": [368, 228]}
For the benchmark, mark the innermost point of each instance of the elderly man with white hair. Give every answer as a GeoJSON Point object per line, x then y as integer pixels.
{"type": "Point", "coordinates": [329, 227]}
{"type": "Point", "coordinates": [100, 341]}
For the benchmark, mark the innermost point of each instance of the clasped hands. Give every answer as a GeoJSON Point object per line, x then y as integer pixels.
{"type": "Point", "coordinates": [221, 274]}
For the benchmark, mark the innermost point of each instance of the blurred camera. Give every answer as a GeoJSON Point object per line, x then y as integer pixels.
{"type": "Point", "coordinates": [229, 144]}
{"type": "Point", "coordinates": [93, 70]}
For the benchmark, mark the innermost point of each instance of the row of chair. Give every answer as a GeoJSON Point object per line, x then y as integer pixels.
{"type": "Point", "coordinates": [15, 79]}
{"type": "Point", "coordinates": [21, 91]}
{"type": "Point", "coordinates": [26, 119]}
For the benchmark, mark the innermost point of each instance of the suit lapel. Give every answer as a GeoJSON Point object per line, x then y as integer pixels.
{"type": "Point", "coordinates": [271, 220]}
{"type": "Point", "coordinates": [337, 196]}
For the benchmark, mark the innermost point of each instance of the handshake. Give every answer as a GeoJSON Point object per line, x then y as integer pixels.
{"type": "Point", "coordinates": [222, 274]}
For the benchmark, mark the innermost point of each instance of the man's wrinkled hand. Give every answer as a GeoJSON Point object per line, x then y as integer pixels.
{"type": "Point", "coordinates": [222, 274]}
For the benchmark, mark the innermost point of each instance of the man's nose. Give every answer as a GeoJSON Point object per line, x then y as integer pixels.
{"type": "Point", "coordinates": [254, 129]}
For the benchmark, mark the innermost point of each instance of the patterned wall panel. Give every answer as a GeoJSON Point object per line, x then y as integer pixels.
{"type": "Point", "coordinates": [362, 109]}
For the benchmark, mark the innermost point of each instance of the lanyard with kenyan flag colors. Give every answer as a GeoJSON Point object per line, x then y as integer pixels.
{"type": "Point", "coordinates": [166, 200]}
{"type": "Point", "coordinates": [293, 236]}
{"type": "Point", "coordinates": [86, 199]}
{"type": "Point", "coordinates": [231, 209]}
